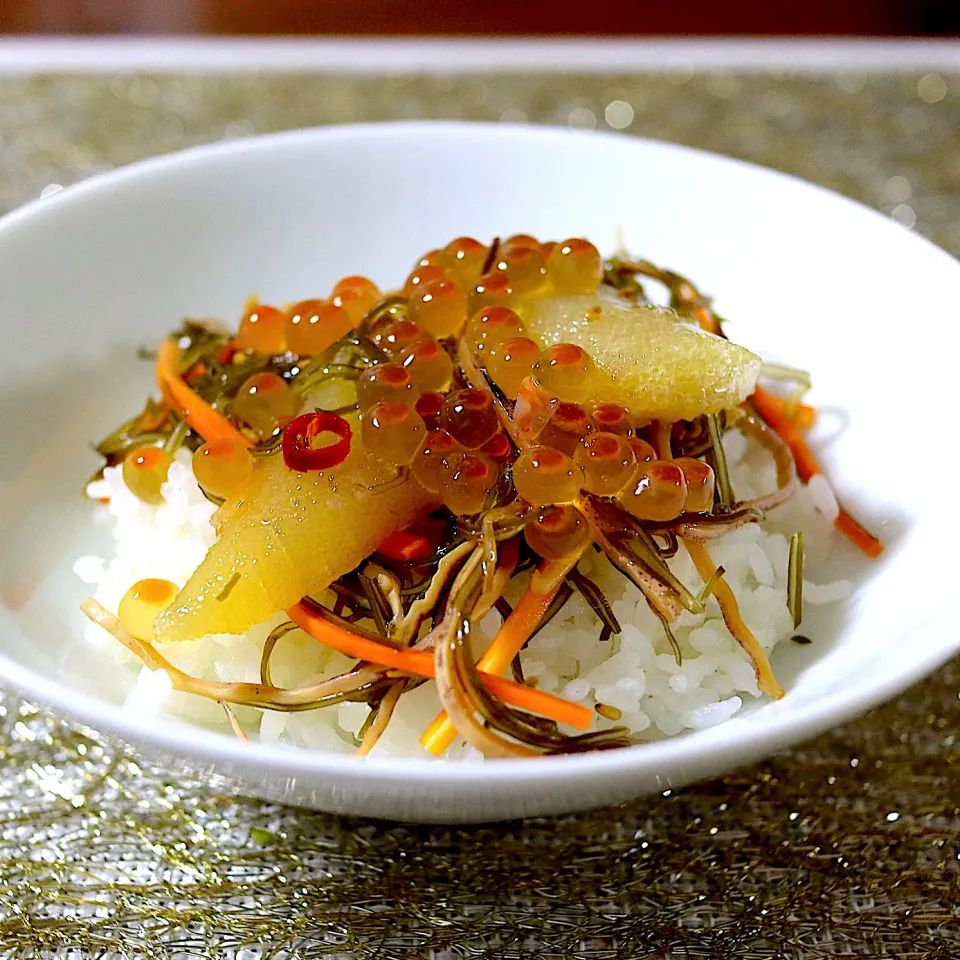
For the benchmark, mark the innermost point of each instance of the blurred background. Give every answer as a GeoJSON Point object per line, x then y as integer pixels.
{"type": "Point", "coordinates": [882, 18]}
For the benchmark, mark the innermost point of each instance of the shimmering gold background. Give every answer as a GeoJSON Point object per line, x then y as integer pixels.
{"type": "Point", "coordinates": [848, 846]}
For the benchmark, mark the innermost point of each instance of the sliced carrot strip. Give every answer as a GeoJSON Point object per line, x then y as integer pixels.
{"type": "Point", "coordinates": [857, 535]}
{"type": "Point", "coordinates": [200, 416]}
{"type": "Point", "coordinates": [800, 415]}
{"type": "Point", "coordinates": [707, 319]}
{"type": "Point", "coordinates": [421, 663]}
{"type": "Point", "coordinates": [778, 421]}
{"type": "Point", "coordinates": [510, 638]}
{"type": "Point", "coordinates": [807, 467]}
{"type": "Point", "coordinates": [776, 413]}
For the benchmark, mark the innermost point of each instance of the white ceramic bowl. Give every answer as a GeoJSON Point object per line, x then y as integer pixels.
{"type": "Point", "coordinates": [807, 276]}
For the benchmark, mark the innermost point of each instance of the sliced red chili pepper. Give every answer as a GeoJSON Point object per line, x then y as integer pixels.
{"type": "Point", "coordinates": [406, 545]}
{"type": "Point", "coordinates": [226, 353]}
{"type": "Point", "coordinates": [298, 452]}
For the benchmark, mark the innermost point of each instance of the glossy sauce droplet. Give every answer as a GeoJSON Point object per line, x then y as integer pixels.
{"type": "Point", "coordinates": [559, 531]}
{"type": "Point", "coordinates": [141, 604]}
{"type": "Point", "coordinates": [545, 475]}
{"type": "Point", "coordinates": [222, 466]}
{"type": "Point", "coordinates": [144, 471]}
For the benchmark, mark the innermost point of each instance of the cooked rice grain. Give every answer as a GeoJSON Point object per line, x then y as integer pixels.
{"type": "Point", "coordinates": [635, 673]}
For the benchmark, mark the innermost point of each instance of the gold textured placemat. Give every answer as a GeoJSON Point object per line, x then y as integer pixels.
{"type": "Point", "coordinates": [847, 846]}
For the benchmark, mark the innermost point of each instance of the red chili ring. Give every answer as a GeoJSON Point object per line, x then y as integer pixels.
{"type": "Point", "coordinates": [299, 455]}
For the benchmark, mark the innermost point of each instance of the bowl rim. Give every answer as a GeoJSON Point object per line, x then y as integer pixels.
{"type": "Point", "coordinates": [683, 750]}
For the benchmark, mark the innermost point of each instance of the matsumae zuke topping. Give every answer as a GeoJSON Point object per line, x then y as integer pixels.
{"type": "Point", "coordinates": [388, 468]}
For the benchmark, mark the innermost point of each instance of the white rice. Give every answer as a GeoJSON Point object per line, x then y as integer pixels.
{"type": "Point", "coordinates": [635, 673]}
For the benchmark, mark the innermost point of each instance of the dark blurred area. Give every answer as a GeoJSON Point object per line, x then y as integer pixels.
{"type": "Point", "coordinates": [878, 18]}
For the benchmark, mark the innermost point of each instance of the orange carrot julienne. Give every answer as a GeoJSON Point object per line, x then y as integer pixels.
{"type": "Point", "coordinates": [707, 319]}
{"type": "Point", "coordinates": [808, 467]}
{"type": "Point", "coordinates": [800, 415]}
{"type": "Point", "coordinates": [421, 663]}
{"type": "Point", "coordinates": [774, 411]}
{"type": "Point", "coordinates": [803, 414]}
{"type": "Point", "coordinates": [780, 423]}
{"type": "Point", "coordinates": [200, 416]}
{"type": "Point", "coordinates": [852, 530]}
{"type": "Point", "coordinates": [508, 642]}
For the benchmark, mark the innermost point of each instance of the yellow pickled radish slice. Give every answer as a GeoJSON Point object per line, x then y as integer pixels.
{"type": "Point", "coordinates": [287, 535]}
{"type": "Point", "coordinates": [647, 358]}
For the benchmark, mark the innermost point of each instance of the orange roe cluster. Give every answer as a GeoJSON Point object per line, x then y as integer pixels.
{"type": "Point", "coordinates": [522, 424]}
{"type": "Point", "coordinates": [527, 428]}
